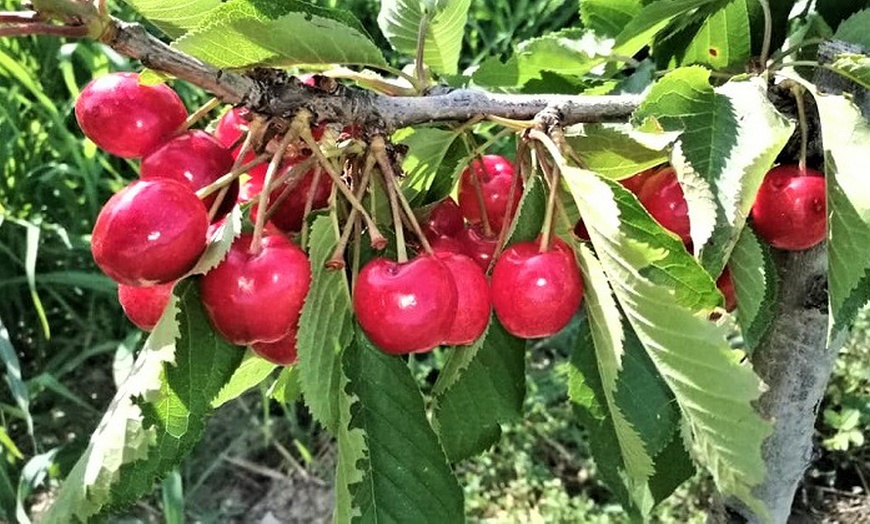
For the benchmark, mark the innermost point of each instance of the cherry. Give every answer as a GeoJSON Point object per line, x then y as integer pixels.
{"type": "Point", "coordinates": [230, 127]}
{"type": "Point", "coordinates": [127, 118]}
{"type": "Point", "coordinates": [445, 244]}
{"type": "Point", "coordinates": [636, 182]}
{"type": "Point", "coordinates": [257, 297]}
{"type": "Point", "coordinates": [535, 294]}
{"type": "Point", "coordinates": [288, 217]}
{"type": "Point", "coordinates": [150, 232]}
{"type": "Point", "coordinates": [144, 305]}
{"type": "Point", "coordinates": [580, 230]}
{"type": "Point", "coordinates": [195, 158]}
{"type": "Point", "coordinates": [477, 246]}
{"type": "Point", "coordinates": [726, 287]}
{"type": "Point", "coordinates": [496, 177]}
{"type": "Point", "coordinates": [663, 198]}
{"type": "Point", "coordinates": [405, 307]}
{"type": "Point", "coordinates": [445, 219]}
{"type": "Point", "coordinates": [790, 211]}
{"type": "Point", "coordinates": [474, 301]}
{"type": "Point", "coordinates": [282, 352]}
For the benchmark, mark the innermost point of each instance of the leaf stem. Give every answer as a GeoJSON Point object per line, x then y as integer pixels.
{"type": "Point", "coordinates": [420, 66]}
{"type": "Point", "coordinates": [768, 32]}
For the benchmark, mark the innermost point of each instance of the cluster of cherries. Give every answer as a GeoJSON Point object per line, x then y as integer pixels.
{"type": "Point", "coordinates": [789, 211]}
{"type": "Point", "coordinates": [152, 233]}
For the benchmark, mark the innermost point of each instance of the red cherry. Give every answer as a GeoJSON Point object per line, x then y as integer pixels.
{"type": "Point", "coordinates": [126, 118]}
{"type": "Point", "coordinates": [231, 126]}
{"type": "Point", "coordinates": [726, 286]}
{"type": "Point", "coordinates": [662, 196]}
{"type": "Point", "coordinates": [445, 219]}
{"type": "Point", "coordinates": [474, 301]}
{"type": "Point", "coordinates": [282, 352]}
{"type": "Point", "coordinates": [144, 305]}
{"type": "Point", "coordinates": [195, 158]}
{"type": "Point", "coordinates": [288, 217]}
{"type": "Point", "coordinates": [150, 232]}
{"type": "Point", "coordinates": [477, 246]}
{"type": "Point", "coordinates": [790, 210]}
{"type": "Point", "coordinates": [446, 245]}
{"type": "Point", "coordinates": [635, 183]}
{"type": "Point", "coordinates": [535, 294]}
{"type": "Point", "coordinates": [257, 297]}
{"type": "Point", "coordinates": [495, 178]}
{"type": "Point", "coordinates": [580, 230]}
{"type": "Point", "coordinates": [405, 307]}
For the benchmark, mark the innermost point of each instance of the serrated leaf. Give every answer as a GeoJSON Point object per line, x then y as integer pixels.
{"type": "Point", "coordinates": [755, 285]}
{"type": "Point", "coordinates": [219, 244]}
{"type": "Point", "coordinates": [13, 377]}
{"type": "Point", "coordinates": [482, 385]}
{"type": "Point", "coordinates": [351, 443]}
{"type": "Point", "coordinates": [406, 477]}
{"type": "Point", "coordinates": [174, 18]}
{"type": "Point", "coordinates": [325, 327]}
{"type": "Point", "coordinates": [608, 17]}
{"type": "Point", "coordinates": [618, 150]}
{"type": "Point", "coordinates": [854, 29]}
{"type": "Point", "coordinates": [401, 20]}
{"type": "Point", "coordinates": [855, 67]}
{"type": "Point", "coordinates": [654, 17]}
{"type": "Point", "coordinates": [431, 158]}
{"type": "Point", "coordinates": [251, 371]}
{"type": "Point", "coordinates": [713, 390]}
{"type": "Point", "coordinates": [529, 217]}
{"type": "Point", "coordinates": [718, 35]}
{"type": "Point", "coordinates": [286, 388]}
{"type": "Point", "coordinates": [730, 137]}
{"type": "Point", "coordinates": [244, 33]}
{"type": "Point", "coordinates": [569, 52]}
{"type": "Point", "coordinates": [156, 416]}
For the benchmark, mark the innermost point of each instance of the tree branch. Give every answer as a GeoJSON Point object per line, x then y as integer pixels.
{"type": "Point", "coordinates": [275, 93]}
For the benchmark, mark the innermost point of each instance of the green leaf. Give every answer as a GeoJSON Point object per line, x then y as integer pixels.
{"type": "Point", "coordinates": [618, 150]}
{"type": "Point", "coordinates": [755, 285]}
{"type": "Point", "coordinates": [401, 20]}
{"type": "Point", "coordinates": [654, 17]}
{"type": "Point", "coordinates": [608, 17]}
{"type": "Point", "coordinates": [569, 52]}
{"type": "Point", "coordinates": [174, 18]}
{"type": "Point", "coordinates": [718, 35]}
{"type": "Point", "coordinates": [219, 244]}
{"type": "Point", "coordinates": [286, 388]}
{"type": "Point", "coordinates": [251, 371]}
{"type": "Point", "coordinates": [731, 136]}
{"type": "Point", "coordinates": [13, 377]}
{"type": "Point", "coordinates": [405, 474]}
{"type": "Point", "coordinates": [855, 67]}
{"type": "Point", "coordinates": [244, 33]}
{"type": "Point", "coordinates": [325, 328]}
{"type": "Point", "coordinates": [712, 389]}
{"type": "Point", "coordinates": [432, 157]}
{"type": "Point", "coordinates": [157, 415]}
{"type": "Point", "coordinates": [481, 386]}
{"type": "Point", "coordinates": [854, 29]}
{"type": "Point", "coordinates": [529, 218]}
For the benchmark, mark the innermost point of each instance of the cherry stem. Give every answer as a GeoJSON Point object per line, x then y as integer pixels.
{"type": "Point", "coordinates": [336, 261]}
{"type": "Point", "coordinates": [552, 176]}
{"type": "Point", "coordinates": [199, 114]}
{"type": "Point", "coordinates": [397, 220]}
{"type": "Point", "coordinates": [290, 179]}
{"type": "Point", "coordinates": [475, 183]}
{"type": "Point", "coordinates": [216, 205]}
{"type": "Point", "coordinates": [357, 255]}
{"type": "Point", "coordinates": [379, 148]}
{"type": "Point", "coordinates": [798, 93]}
{"type": "Point", "coordinates": [375, 234]}
{"type": "Point", "coordinates": [522, 151]}
{"type": "Point", "coordinates": [291, 135]}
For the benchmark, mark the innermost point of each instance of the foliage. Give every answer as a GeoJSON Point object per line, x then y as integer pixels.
{"type": "Point", "coordinates": [657, 386]}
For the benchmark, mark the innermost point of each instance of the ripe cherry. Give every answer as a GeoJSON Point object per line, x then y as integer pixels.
{"type": "Point", "coordinates": [446, 244]}
{"type": "Point", "coordinates": [257, 297]}
{"type": "Point", "coordinates": [196, 159]}
{"type": "Point", "coordinates": [150, 232]}
{"type": "Point", "coordinates": [445, 219]}
{"type": "Point", "coordinates": [144, 305]}
{"type": "Point", "coordinates": [636, 182]}
{"type": "Point", "coordinates": [405, 307]}
{"type": "Point", "coordinates": [496, 177]}
{"type": "Point", "coordinates": [535, 294]}
{"type": "Point", "coordinates": [474, 302]}
{"type": "Point", "coordinates": [282, 352]}
{"type": "Point", "coordinates": [790, 210]}
{"type": "Point", "coordinates": [726, 287]}
{"type": "Point", "coordinates": [477, 246]}
{"type": "Point", "coordinates": [662, 196]}
{"type": "Point", "coordinates": [230, 127]}
{"type": "Point", "coordinates": [288, 217]}
{"type": "Point", "coordinates": [580, 230]}
{"type": "Point", "coordinates": [126, 118]}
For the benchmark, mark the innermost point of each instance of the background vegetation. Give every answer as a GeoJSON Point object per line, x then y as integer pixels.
{"type": "Point", "coordinates": [64, 341]}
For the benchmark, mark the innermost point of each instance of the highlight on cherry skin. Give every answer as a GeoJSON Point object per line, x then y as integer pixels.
{"type": "Point", "coordinates": [127, 118]}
